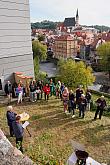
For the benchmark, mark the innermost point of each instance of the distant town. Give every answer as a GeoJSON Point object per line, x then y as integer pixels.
{"type": "Point", "coordinates": [69, 39]}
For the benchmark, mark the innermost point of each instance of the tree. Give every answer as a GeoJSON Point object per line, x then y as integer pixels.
{"type": "Point", "coordinates": [41, 37]}
{"type": "Point", "coordinates": [104, 53]}
{"type": "Point", "coordinates": [75, 73]}
{"type": "Point", "coordinates": [39, 54]}
{"type": "Point", "coordinates": [39, 50]}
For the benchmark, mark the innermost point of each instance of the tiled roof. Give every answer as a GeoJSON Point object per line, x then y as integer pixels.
{"type": "Point", "coordinates": [68, 22]}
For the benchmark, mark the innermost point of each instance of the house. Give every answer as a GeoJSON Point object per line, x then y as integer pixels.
{"type": "Point", "coordinates": [15, 40]}
{"type": "Point", "coordinates": [65, 46]}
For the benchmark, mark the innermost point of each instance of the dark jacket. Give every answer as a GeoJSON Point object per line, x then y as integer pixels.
{"type": "Point", "coordinates": [82, 103]}
{"type": "Point", "coordinates": [18, 129]}
{"type": "Point", "coordinates": [71, 96]}
{"type": "Point", "coordinates": [10, 117]}
{"type": "Point", "coordinates": [101, 103]}
{"type": "Point", "coordinates": [88, 96]}
{"type": "Point", "coordinates": [32, 87]}
{"type": "Point", "coordinates": [8, 88]}
{"type": "Point", "coordinates": [79, 92]}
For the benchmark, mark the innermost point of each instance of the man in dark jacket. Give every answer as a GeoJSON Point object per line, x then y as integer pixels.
{"type": "Point", "coordinates": [101, 104]}
{"type": "Point", "coordinates": [8, 91]}
{"type": "Point", "coordinates": [32, 91]}
{"type": "Point", "coordinates": [88, 97]}
{"type": "Point", "coordinates": [10, 119]}
{"type": "Point", "coordinates": [18, 131]}
{"type": "Point", "coordinates": [79, 92]}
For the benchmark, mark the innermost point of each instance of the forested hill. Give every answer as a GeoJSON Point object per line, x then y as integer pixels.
{"type": "Point", "coordinates": [44, 25]}
{"type": "Point", "coordinates": [100, 28]}
{"type": "Point", "coordinates": [52, 25]}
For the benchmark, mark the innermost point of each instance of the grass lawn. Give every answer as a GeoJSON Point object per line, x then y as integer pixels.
{"type": "Point", "coordinates": [52, 131]}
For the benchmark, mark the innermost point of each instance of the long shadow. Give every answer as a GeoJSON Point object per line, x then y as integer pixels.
{"type": "Point", "coordinates": [48, 114]}
{"type": "Point", "coordinates": [91, 135]}
{"type": "Point", "coordinates": [80, 122]}
{"type": "Point", "coordinates": [52, 121]}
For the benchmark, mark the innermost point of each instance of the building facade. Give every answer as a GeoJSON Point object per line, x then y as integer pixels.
{"type": "Point", "coordinates": [64, 47]}
{"type": "Point", "coordinates": [15, 39]}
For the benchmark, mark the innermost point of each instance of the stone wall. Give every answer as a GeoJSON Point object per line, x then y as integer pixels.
{"type": "Point", "coordinates": [10, 155]}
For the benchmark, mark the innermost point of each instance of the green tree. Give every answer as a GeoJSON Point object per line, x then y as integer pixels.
{"type": "Point", "coordinates": [104, 52]}
{"type": "Point", "coordinates": [75, 73]}
{"type": "Point", "coordinates": [39, 50]}
{"type": "Point", "coordinates": [36, 66]}
{"type": "Point", "coordinates": [39, 54]}
{"type": "Point", "coordinates": [41, 37]}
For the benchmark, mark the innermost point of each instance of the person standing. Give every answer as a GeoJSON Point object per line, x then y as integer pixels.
{"type": "Point", "coordinates": [19, 91]}
{"type": "Point", "coordinates": [32, 91]}
{"type": "Point", "coordinates": [51, 87]}
{"type": "Point", "coordinates": [58, 86]}
{"type": "Point", "coordinates": [101, 104]}
{"type": "Point", "coordinates": [65, 98]}
{"type": "Point", "coordinates": [61, 90]}
{"type": "Point", "coordinates": [71, 103]}
{"type": "Point", "coordinates": [40, 85]}
{"type": "Point", "coordinates": [18, 132]}
{"type": "Point", "coordinates": [79, 92]}
{"type": "Point", "coordinates": [46, 90]}
{"type": "Point", "coordinates": [88, 97]}
{"type": "Point", "coordinates": [82, 105]}
{"type": "Point", "coordinates": [38, 91]}
{"type": "Point", "coordinates": [11, 116]}
{"type": "Point", "coordinates": [8, 91]}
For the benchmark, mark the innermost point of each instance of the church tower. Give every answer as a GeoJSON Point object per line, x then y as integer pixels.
{"type": "Point", "coordinates": [77, 18]}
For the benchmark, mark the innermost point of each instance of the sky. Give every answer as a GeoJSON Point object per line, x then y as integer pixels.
{"type": "Point", "coordinates": [91, 12]}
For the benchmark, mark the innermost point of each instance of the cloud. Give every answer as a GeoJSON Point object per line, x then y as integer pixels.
{"type": "Point", "coordinates": [90, 11]}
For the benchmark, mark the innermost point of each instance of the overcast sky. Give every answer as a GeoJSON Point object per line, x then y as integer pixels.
{"type": "Point", "coordinates": [91, 12]}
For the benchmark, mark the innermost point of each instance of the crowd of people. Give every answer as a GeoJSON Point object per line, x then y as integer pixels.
{"type": "Point", "coordinates": [79, 99]}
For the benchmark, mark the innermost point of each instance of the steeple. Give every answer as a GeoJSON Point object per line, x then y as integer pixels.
{"type": "Point", "coordinates": [77, 18]}
{"type": "Point", "coordinates": [77, 14]}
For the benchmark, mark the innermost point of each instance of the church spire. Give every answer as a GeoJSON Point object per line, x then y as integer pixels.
{"type": "Point", "coordinates": [77, 14]}
{"type": "Point", "coordinates": [77, 18]}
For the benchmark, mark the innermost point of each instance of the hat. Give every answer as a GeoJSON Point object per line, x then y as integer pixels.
{"type": "Point", "coordinates": [102, 96]}
{"type": "Point", "coordinates": [9, 108]}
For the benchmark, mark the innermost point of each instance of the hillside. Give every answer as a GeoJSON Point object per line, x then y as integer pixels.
{"type": "Point", "coordinates": [52, 25]}
{"type": "Point", "coordinates": [52, 131]}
